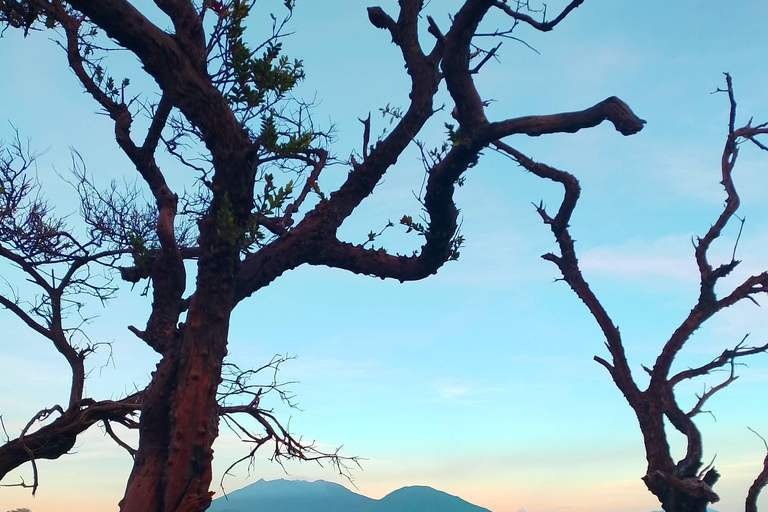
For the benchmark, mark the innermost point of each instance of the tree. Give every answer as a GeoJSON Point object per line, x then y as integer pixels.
{"type": "Point", "coordinates": [680, 486]}
{"type": "Point", "coordinates": [231, 100]}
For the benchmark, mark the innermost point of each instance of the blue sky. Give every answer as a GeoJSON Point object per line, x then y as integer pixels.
{"type": "Point", "coordinates": [478, 381]}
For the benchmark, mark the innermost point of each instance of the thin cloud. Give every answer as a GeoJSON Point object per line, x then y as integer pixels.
{"type": "Point", "coordinates": [452, 390]}
{"type": "Point", "coordinates": [668, 258]}
{"type": "Point", "coordinates": [671, 259]}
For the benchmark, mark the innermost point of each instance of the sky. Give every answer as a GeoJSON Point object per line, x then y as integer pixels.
{"type": "Point", "coordinates": [478, 381]}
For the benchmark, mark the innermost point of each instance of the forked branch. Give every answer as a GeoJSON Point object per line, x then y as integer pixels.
{"type": "Point", "coordinates": [237, 385]}
{"type": "Point", "coordinates": [680, 483]}
{"type": "Point", "coordinates": [544, 25]}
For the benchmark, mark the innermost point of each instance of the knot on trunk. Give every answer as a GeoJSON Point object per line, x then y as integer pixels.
{"type": "Point", "coordinates": [692, 486]}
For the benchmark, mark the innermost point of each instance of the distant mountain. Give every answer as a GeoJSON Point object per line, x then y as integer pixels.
{"type": "Point", "coordinates": [422, 499]}
{"type": "Point", "coordinates": [291, 496]}
{"type": "Point", "coordinates": [321, 496]}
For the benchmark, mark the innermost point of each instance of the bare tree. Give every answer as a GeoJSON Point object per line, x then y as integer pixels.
{"type": "Point", "coordinates": [231, 101]}
{"type": "Point", "coordinates": [680, 486]}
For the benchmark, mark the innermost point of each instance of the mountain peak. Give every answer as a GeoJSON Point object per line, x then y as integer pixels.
{"type": "Point", "coordinates": [322, 496]}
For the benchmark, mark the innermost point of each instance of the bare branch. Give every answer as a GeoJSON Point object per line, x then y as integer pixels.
{"type": "Point", "coordinates": [727, 357]}
{"type": "Point", "coordinates": [237, 386]}
{"type": "Point", "coordinates": [544, 26]}
{"type": "Point", "coordinates": [54, 439]}
{"type": "Point", "coordinates": [760, 481]}
{"type": "Point", "coordinates": [680, 483]}
{"type": "Point", "coordinates": [108, 428]}
{"type": "Point", "coordinates": [611, 109]}
{"type": "Point", "coordinates": [568, 265]}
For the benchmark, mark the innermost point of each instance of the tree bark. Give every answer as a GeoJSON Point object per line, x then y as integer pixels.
{"type": "Point", "coordinates": [179, 420]}
{"type": "Point", "coordinates": [680, 495]}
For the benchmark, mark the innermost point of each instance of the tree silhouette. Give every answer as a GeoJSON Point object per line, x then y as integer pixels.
{"type": "Point", "coordinates": [680, 486]}
{"type": "Point", "coordinates": [259, 208]}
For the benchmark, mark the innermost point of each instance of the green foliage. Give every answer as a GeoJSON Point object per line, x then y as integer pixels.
{"type": "Point", "coordinates": [456, 243]}
{"type": "Point", "coordinates": [295, 144]}
{"type": "Point", "coordinates": [418, 227]}
{"type": "Point", "coordinates": [20, 14]}
{"type": "Point", "coordinates": [372, 236]}
{"type": "Point", "coordinates": [316, 190]}
{"type": "Point", "coordinates": [391, 112]}
{"type": "Point", "coordinates": [269, 138]}
{"type": "Point", "coordinates": [139, 253]}
{"type": "Point", "coordinates": [257, 77]}
{"type": "Point", "coordinates": [453, 135]}
{"type": "Point", "coordinates": [233, 233]}
{"type": "Point", "coordinates": [253, 235]}
{"type": "Point", "coordinates": [275, 198]}
{"type": "Point", "coordinates": [107, 82]}
{"type": "Point", "coordinates": [226, 224]}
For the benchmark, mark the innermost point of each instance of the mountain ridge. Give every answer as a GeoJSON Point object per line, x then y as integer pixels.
{"type": "Point", "coordinates": [322, 496]}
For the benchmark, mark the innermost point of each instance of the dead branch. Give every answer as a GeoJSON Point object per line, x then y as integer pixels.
{"type": "Point", "coordinates": [682, 482]}
{"type": "Point", "coordinates": [760, 481]}
{"type": "Point", "coordinates": [543, 25]}
{"type": "Point", "coordinates": [54, 439]}
{"type": "Point", "coordinates": [728, 356]}
{"type": "Point", "coordinates": [237, 386]}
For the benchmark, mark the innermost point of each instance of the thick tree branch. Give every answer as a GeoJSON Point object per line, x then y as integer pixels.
{"type": "Point", "coordinates": [54, 439]}
{"type": "Point", "coordinates": [320, 224]}
{"type": "Point", "coordinates": [184, 79]}
{"type": "Point", "coordinates": [679, 486]}
{"type": "Point", "coordinates": [455, 66]}
{"type": "Point", "coordinates": [611, 109]}
{"type": "Point", "coordinates": [188, 26]}
{"type": "Point", "coordinates": [168, 271]}
{"type": "Point", "coordinates": [760, 481]}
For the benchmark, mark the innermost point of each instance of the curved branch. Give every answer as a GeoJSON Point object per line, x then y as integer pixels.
{"type": "Point", "coordinates": [544, 26]}
{"type": "Point", "coordinates": [455, 66]}
{"type": "Point", "coordinates": [567, 262]}
{"type": "Point", "coordinates": [377, 263]}
{"type": "Point", "coordinates": [53, 440]}
{"type": "Point", "coordinates": [188, 25]}
{"type": "Point", "coordinates": [728, 356]}
{"type": "Point", "coordinates": [301, 244]}
{"type": "Point", "coordinates": [611, 109]}
{"type": "Point", "coordinates": [16, 310]}
{"type": "Point", "coordinates": [760, 482]}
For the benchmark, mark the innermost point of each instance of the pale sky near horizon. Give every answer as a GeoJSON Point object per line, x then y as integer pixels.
{"type": "Point", "coordinates": [478, 381]}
